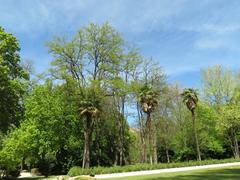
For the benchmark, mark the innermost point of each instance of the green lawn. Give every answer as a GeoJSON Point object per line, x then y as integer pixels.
{"type": "Point", "coordinates": [229, 173]}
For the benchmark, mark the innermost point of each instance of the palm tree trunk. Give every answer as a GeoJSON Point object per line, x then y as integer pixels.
{"type": "Point", "coordinates": [98, 144]}
{"type": "Point", "coordinates": [150, 138]}
{"type": "Point", "coordinates": [143, 128]}
{"type": "Point", "coordinates": [87, 141]}
{"type": "Point", "coordinates": [155, 156]}
{"type": "Point", "coordinates": [143, 147]}
{"type": "Point", "coordinates": [86, 154]}
{"type": "Point", "coordinates": [195, 136]}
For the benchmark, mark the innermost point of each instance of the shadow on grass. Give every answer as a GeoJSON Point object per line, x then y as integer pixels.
{"type": "Point", "coordinates": [224, 174]}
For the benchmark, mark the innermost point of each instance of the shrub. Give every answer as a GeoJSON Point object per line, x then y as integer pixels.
{"type": "Point", "coordinates": [14, 173]}
{"type": "Point", "coordinates": [75, 171]}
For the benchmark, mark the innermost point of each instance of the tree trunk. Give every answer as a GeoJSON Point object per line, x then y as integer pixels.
{"type": "Point", "coordinates": [195, 136]}
{"type": "Point", "coordinates": [167, 154]}
{"type": "Point", "coordinates": [230, 139]}
{"type": "Point", "coordinates": [22, 164]}
{"type": "Point", "coordinates": [116, 157]}
{"type": "Point", "coordinates": [150, 138]}
{"type": "Point", "coordinates": [88, 125]}
{"type": "Point", "coordinates": [155, 156]}
{"type": "Point", "coordinates": [143, 147]}
{"type": "Point", "coordinates": [86, 154]}
{"type": "Point", "coordinates": [235, 144]}
{"type": "Point", "coordinates": [120, 156]}
{"type": "Point", "coordinates": [98, 144]}
{"type": "Point", "coordinates": [121, 152]}
{"type": "Point", "coordinates": [236, 147]}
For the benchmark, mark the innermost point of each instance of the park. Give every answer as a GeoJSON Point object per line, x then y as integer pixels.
{"type": "Point", "coordinates": [97, 100]}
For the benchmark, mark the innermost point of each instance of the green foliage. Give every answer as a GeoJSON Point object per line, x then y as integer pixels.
{"type": "Point", "coordinates": [93, 54]}
{"type": "Point", "coordinates": [134, 152]}
{"type": "Point", "coordinates": [219, 84]}
{"type": "Point", "coordinates": [90, 102]}
{"type": "Point", "coordinates": [190, 98]}
{"type": "Point", "coordinates": [17, 145]}
{"type": "Point", "coordinates": [209, 137]}
{"type": "Point", "coordinates": [44, 132]}
{"type": "Point", "coordinates": [12, 87]}
{"type": "Point", "coordinates": [148, 97]}
{"type": "Point", "coordinates": [76, 171]}
{"type": "Point", "coordinates": [97, 81]}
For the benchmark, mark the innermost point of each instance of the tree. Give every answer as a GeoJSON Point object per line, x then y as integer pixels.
{"type": "Point", "coordinates": [190, 98]}
{"type": "Point", "coordinates": [166, 123]}
{"type": "Point", "coordinates": [218, 85]}
{"type": "Point", "coordinates": [18, 145]}
{"type": "Point", "coordinates": [148, 98]}
{"type": "Point", "coordinates": [90, 104]}
{"type": "Point", "coordinates": [229, 125]}
{"type": "Point", "coordinates": [210, 138]}
{"type": "Point", "coordinates": [96, 55]}
{"type": "Point", "coordinates": [37, 138]}
{"type": "Point", "coordinates": [120, 87]}
{"type": "Point", "coordinates": [12, 77]}
{"type": "Point", "coordinates": [229, 122]}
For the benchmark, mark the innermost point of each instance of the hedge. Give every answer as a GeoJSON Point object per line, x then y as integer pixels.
{"type": "Point", "coordinates": [76, 170]}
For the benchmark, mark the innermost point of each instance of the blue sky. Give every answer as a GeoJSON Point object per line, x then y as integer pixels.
{"type": "Point", "coordinates": [185, 36]}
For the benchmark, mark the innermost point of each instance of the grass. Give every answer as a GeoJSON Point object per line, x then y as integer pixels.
{"type": "Point", "coordinates": [226, 173]}
{"type": "Point", "coordinates": [229, 173]}
{"type": "Point", "coordinates": [77, 171]}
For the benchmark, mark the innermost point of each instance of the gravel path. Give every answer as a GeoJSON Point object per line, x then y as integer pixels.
{"type": "Point", "coordinates": [25, 175]}
{"type": "Point", "coordinates": [158, 171]}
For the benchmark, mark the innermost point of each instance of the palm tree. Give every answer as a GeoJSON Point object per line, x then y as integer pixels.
{"type": "Point", "coordinates": [190, 98]}
{"type": "Point", "coordinates": [89, 110]}
{"type": "Point", "coordinates": [148, 98]}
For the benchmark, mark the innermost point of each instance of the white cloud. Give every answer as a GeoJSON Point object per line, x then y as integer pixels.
{"type": "Point", "coordinates": [45, 15]}
{"type": "Point", "coordinates": [214, 28]}
{"type": "Point", "coordinates": [211, 25]}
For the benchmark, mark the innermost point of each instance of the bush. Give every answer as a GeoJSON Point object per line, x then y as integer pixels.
{"type": "Point", "coordinates": [14, 173]}
{"type": "Point", "coordinates": [76, 171]}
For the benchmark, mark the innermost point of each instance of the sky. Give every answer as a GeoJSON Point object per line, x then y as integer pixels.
{"type": "Point", "coordinates": [184, 36]}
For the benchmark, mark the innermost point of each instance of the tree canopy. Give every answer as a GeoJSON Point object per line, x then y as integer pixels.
{"type": "Point", "coordinates": [103, 104]}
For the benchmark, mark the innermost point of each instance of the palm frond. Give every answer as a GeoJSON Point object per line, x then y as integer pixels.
{"type": "Point", "coordinates": [190, 98]}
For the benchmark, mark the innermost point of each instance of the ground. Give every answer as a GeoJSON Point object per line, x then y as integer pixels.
{"type": "Point", "coordinates": [229, 173]}
{"type": "Point", "coordinates": [223, 173]}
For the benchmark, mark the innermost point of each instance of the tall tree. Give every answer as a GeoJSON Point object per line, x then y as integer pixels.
{"type": "Point", "coordinates": [148, 98]}
{"type": "Point", "coordinates": [218, 85]}
{"type": "Point", "coordinates": [229, 122]}
{"type": "Point", "coordinates": [89, 110]}
{"type": "Point", "coordinates": [190, 98]}
{"type": "Point", "coordinates": [96, 55]}
{"type": "Point", "coordinates": [12, 76]}
{"type": "Point", "coordinates": [230, 127]}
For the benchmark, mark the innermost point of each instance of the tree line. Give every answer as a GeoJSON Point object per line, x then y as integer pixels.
{"type": "Point", "coordinates": [77, 112]}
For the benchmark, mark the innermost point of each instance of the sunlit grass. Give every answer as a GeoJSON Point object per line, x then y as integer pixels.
{"type": "Point", "coordinates": [209, 174]}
